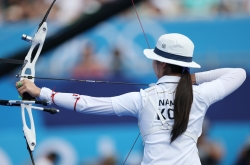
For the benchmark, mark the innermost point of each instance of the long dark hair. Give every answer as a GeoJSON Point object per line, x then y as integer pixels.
{"type": "Point", "coordinates": [182, 102]}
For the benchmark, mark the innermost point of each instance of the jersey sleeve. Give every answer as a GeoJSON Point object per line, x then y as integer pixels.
{"type": "Point", "coordinates": [128, 104]}
{"type": "Point", "coordinates": [79, 103]}
{"type": "Point", "coordinates": [219, 83]}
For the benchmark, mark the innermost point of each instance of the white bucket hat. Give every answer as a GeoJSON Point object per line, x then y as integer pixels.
{"type": "Point", "coordinates": [175, 49]}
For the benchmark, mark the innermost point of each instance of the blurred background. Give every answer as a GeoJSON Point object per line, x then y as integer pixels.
{"type": "Point", "coordinates": [103, 40]}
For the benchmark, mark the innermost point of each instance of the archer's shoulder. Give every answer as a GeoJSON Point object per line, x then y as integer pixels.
{"type": "Point", "coordinates": [148, 91]}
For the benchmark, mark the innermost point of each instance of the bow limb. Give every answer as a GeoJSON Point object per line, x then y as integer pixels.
{"type": "Point", "coordinates": [29, 70]}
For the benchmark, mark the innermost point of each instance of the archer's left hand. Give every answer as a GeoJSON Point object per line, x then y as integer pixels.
{"type": "Point", "coordinates": [29, 87]}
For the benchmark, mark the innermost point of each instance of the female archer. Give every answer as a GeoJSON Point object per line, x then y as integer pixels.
{"type": "Point", "coordinates": [171, 112]}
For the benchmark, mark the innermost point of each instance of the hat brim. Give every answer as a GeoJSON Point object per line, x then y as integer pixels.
{"type": "Point", "coordinates": [149, 53]}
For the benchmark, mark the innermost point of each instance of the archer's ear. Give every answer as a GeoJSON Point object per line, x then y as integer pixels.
{"type": "Point", "coordinates": [164, 65]}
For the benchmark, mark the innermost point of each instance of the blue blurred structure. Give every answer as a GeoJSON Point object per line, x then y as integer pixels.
{"type": "Point", "coordinates": [219, 42]}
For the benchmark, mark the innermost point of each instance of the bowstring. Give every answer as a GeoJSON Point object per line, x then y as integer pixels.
{"type": "Point", "coordinates": [140, 23]}
{"type": "Point", "coordinates": [131, 149]}
{"type": "Point", "coordinates": [149, 48]}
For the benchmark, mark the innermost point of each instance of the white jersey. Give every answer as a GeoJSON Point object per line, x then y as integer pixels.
{"type": "Point", "coordinates": [212, 86]}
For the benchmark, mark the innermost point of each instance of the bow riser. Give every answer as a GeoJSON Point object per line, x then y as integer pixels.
{"type": "Point", "coordinates": [30, 62]}
{"type": "Point", "coordinates": [29, 133]}
{"type": "Point", "coordinates": [29, 70]}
